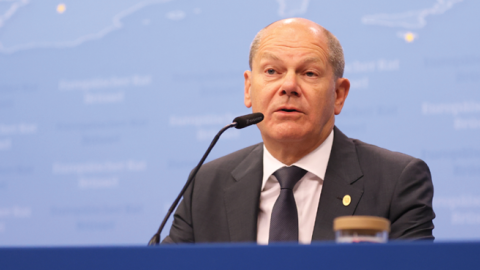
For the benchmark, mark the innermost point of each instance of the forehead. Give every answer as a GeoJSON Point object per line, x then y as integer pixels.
{"type": "Point", "coordinates": [295, 40]}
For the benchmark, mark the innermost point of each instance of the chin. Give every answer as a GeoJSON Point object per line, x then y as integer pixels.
{"type": "Point", "coordinates": [285, 131]}
{"type": "Point", "coordinates": [290, 135]}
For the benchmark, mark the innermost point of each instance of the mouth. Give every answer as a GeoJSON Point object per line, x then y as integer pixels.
{"type": "Point", "coordinates": [288, 110]}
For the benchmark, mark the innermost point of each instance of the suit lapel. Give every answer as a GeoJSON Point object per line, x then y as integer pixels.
{"type": "Point", "coordinates": [243, 195]}
{"type": "Point", "coordinates": [341, 179]}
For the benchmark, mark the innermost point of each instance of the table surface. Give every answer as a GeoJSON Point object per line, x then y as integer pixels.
{"type": "Point", "coordinates": [398, 255]}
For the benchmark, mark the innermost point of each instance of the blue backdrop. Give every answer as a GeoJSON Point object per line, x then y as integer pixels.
{"type": "Point", "coordinates": [105, 106]}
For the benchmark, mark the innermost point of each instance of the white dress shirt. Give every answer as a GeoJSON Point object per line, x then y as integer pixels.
{"type": "Point", "coordinates": [306, 192]}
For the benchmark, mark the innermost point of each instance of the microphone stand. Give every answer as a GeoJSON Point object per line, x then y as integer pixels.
{"type": "Point", "coordinates": [156, 237]}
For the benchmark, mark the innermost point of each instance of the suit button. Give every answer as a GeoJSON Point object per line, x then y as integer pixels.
{"type": "Point", "coordinates": [347, 200]}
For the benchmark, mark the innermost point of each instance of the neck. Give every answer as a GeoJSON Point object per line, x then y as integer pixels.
{"type": "Point", "coordinates": [289, 152]}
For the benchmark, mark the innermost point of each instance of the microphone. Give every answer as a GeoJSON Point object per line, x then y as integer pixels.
{"type": "Point", "coordinates": [247, 120]}
{"type": "Point", "coordinates": [239, 123]}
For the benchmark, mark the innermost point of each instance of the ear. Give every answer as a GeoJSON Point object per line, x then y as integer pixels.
{"type": "Point", "coordinates": [248, 86]}
{"type": "Point", "coordinates": [342, 87]}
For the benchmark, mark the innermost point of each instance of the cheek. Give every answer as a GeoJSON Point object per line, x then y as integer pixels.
{"type": "Point", "coordinates": [324, 107]}
{"type": "Point", "coordinates": [255, 101]}
{"type": "Point", "coordinates": [261, 97]}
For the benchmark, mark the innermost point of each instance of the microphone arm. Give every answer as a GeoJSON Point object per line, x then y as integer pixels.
{"type": "Point", "coordinates": [249, 120]}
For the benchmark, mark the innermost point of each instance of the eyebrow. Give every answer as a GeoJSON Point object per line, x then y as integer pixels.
{"type": "Point", "coordinates": [312, 60]}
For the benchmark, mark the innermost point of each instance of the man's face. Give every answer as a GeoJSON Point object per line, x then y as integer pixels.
{"type": "Point", "coordinates": [293, 85]}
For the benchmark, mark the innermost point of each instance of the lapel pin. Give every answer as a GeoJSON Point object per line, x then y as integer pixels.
{"type": "Point", "coordinates": [347, 200]}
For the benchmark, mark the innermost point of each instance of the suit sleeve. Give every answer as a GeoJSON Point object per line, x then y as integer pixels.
{"type": "Point", "coordinates": [182, 225]}
{"type": "Point", "coordinates": [411, 211]}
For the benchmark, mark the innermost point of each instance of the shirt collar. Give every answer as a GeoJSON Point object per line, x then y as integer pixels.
{"type": "Point", "coordinates": [314, 162]}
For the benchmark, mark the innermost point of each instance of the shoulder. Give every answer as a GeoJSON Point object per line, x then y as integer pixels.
{"type": "Point", "coordinates": [375, 159]}
{"type": "Point", "coordinates": [376, 154]}
{"type": "Point", "coordinates": [229, 160]}
{"type": "Point", "coordinates": [396, 186]}
{"type": "Point", "coordinates": [228, 163]}
{"type": "Point", "coordinates": [218, 174]}
{"type": "Point", "coordinates": [368, 156]}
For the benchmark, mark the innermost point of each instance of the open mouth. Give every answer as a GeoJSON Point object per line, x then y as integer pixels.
{"type": "Point", "coordinates": [288, 110]}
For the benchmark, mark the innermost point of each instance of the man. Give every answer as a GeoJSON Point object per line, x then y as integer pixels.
{"type": "Point", "coordinates": [296, 81]}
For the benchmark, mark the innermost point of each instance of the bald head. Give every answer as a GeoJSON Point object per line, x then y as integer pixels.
{"type": "Point", "coordinates": [335, 52]}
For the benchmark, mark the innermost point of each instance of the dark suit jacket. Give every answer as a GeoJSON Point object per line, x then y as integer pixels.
{"type": "Point", "coordinates": [221, 205]}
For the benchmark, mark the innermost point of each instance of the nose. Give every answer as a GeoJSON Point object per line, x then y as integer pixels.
{"type": "Point", "coordinates": [290, 85]}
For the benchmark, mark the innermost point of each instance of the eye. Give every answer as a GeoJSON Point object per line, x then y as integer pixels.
{"type": "Point", "coordinates": [310, 74]}
{"type": "Point", "coordinates": [270, 71]}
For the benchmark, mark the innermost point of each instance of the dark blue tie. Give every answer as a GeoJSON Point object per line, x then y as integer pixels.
{"type": "Point", "coordinates": [284, 221]}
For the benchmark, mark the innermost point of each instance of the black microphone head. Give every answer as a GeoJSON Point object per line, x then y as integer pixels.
{"type": "Point", "coordinates": [247, 120]}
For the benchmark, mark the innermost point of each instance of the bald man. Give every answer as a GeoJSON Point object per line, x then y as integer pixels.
{"type": "Point", "coordinates": [292, 186]}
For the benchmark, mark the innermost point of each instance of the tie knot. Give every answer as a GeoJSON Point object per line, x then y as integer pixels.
{"type": "Point", "coordinates": [289, 176]}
